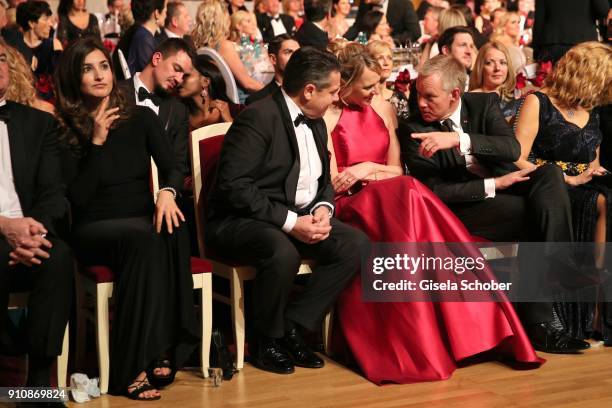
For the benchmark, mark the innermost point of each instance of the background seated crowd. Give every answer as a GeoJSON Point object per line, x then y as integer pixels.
{"type": "Point", "coordinates": [502, 135]}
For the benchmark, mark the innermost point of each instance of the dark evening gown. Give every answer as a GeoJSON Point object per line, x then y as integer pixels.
{"type": "Point", "coordinates": [113, 212]}
{"type": "Point", "coordinates": [404, 342]}
{"type": "Point", "coordinates": [47, 60]}
{"type": "Point", "coordinates": [573, 148]}
{"type": "Point", "coordinates": [67, 32]}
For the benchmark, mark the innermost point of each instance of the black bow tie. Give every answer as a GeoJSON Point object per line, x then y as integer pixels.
{"type": "Point", "coordinates": [144, 94]}
{"type": "Point", "coordinates": [300, 118]}
{"type": "Point", "coordinates": [275, 18]}
{"type": "Point", "coordinates": [4, 113]}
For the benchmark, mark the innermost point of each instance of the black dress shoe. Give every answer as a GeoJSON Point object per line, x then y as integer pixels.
{"type": "Point", "coordinates": [270, 356]}
{"type": "Point", "coordinates": [299, 351]}
{"type": "Point", "coordinates": [548, 339]}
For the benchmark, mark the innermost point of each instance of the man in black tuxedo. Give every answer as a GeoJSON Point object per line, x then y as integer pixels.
{"type": "Point", "coordinates": [400, 14]}
{"type": "Point", "coordinates": [32, 256]}
{"type": "Point", "coordinates": [272, 205]}
{"type": "Point", "coordinates": [462, 148]}
{"type": "Point", "coordinates": [313, 31]}
{"type": "Point", "coordinates": [154, 88]}
{"type": "Point", "coordinates": [280, 49]}
{"type": "Point", "coordinates": [273, 22]}
{"type": "Point", "coordinates": [177, 24]}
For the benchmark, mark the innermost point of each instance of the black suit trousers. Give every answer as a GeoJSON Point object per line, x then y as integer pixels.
{"type": "Point", "coordinates": [536, 210]}
{"type": "Point", "coordinates": [51, 287]}
{"type": "Point", "coordinates": [277, 257]}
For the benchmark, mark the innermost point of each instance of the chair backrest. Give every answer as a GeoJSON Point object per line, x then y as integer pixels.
{"type": "Point", "coordinates": [231, 89]}
{"type": "Point", "coordinates": [205, 149]}
{"type": "Point", "coordinates": [123, 64]}
{"type": "Point", "coordinates": [154, 179]}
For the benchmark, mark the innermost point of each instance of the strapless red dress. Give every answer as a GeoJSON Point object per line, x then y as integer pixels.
{"type": "Point", "coordinates": [411, 341]}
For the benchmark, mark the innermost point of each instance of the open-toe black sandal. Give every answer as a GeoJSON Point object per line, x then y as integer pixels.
{"type": "Point", "coordinates": [140, 386]}
{"type": "Point", "coordinates": [160, 381]}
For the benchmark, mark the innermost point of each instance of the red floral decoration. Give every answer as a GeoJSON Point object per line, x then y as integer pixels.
{"type": "Point", "coordinates": [402, 81]}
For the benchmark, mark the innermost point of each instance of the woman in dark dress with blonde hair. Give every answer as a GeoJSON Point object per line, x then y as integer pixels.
{"type": "Point", "coordinates": [559, 125]}
{"type": "Point", "coordinates": [108, 153]}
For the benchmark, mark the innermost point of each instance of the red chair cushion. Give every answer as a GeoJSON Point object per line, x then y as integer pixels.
{"type": "Point", "coordinates": [98, 273]}
{"type": "Point", "coordinates": [199, 265]}
{"type": "Point", "coordinates": [104, 274]}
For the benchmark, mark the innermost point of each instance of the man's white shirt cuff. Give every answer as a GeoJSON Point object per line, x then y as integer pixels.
{"type": "Point", "coordinates": [289, 222]}
{"type": "Point", "coordinates": [489, 185]}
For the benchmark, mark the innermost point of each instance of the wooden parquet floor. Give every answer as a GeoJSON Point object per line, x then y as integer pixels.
{"type": "Point", "coordinates": [564, 381]}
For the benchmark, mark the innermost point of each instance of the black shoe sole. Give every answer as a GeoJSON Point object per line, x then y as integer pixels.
{"type": "Point", "coordinates": [308, 365]}
{"type": "Point", "coordinates": [568, 351]}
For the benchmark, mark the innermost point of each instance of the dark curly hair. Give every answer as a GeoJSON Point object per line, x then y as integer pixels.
{"type": "Point", "coordinates": [74, 118]}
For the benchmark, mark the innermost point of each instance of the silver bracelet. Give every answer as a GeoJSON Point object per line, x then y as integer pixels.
{"type": "Point", "coordinates": [170, 189]}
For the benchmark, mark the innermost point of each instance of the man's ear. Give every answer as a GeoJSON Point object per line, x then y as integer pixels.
{"type": "Point", "coordinates": [156, 58]}
{"type": "Point", "coordinates": [309, 91]}
{"type": "Point", "coordinates": [455, 95]}
{"type": "Point", "coordinates": [445, 50]}
{"type": "Point", "coordinates": [272, 59]}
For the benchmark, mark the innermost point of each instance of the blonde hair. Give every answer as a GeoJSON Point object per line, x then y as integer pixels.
{"type": "Point", "coordinates": [503, 20]}
{"type": "Point", "coordinates": [583, 77]}
{"type": "Point", "coordinates": [506, 90]}
{"type": "Point", "coordinates": [354, 58]}
{"type": "Point", "coordinates": [21, 80]}
{"type": "Point", "coordinates": [337, 44]}
{"type": "Point", "coordinates": [450, 17]}
{"type": "Point", "coordinates": [448, 69]}
{"type": "Point", "coordinates": [212, 24]}
{"type": "Point", "coordinates": [236, 19]}
{"type": "Point", "coordinates": [377, 47]}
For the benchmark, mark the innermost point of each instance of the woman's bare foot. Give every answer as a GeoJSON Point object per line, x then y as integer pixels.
{"type": "Point", "coordinates": [141, 382]}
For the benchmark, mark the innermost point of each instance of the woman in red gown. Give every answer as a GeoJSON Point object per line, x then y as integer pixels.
{"type": "Point", "coordinates": [409, 341]}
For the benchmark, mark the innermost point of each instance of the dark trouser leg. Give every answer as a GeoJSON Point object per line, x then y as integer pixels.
{"type": "Point", "coordinates": [550, 219]}
{"type": "Point", "coordinates": [277, 258]}
{"type": "Point", "coordinates": [5, 341]}
{"type": "Point", "coordinates": [51, 289]}
{"type": "Point", "coordinates": [337, 261]}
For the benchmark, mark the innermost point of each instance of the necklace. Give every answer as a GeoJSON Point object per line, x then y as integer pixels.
{"type": "Point", "coordinates": [570, 113]}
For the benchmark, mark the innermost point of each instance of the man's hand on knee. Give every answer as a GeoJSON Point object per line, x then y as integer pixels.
{"type": "Point", "coordinates": [18, 230]}
{"type": "Point", "coordinates": [32, 251]}
{"type": "Point", "coordinates": [310, 229]}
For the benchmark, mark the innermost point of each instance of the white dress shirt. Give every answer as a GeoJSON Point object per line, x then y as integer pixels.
{"type": "Point", "coordinates": [278, 27]}
{"type": "Point", "coordinates": [311, 167]}
{"type": "Point", "coordinates": [146, 102]}
{"type": "Point", "coordinates": [171, 34]}
{"type": "Point", "coordinates": [10, 206]}
{"type": "Point", "coordinates": [465, 149]}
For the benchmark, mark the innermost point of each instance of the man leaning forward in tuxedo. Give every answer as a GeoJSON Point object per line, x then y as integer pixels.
{"type": "Point", "coordinates": [462, 148]}
{"type": "Point", "coordinates": [32, 257]}
{"type": "Point", "coordinates": [272, 206]}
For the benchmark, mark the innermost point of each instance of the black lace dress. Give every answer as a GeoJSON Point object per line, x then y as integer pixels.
{"type": "Point", "coordinates": [573, 148]}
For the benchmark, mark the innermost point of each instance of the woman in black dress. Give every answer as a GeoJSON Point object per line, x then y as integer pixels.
{"type": "Point", "coordinates": [75, 22]}
{"type": "Point", "coordinates": [34, 18]}
{"type": "Point", "coordinates": [560, 125]}
{"type": "Point", "coordinates": [108, 174]}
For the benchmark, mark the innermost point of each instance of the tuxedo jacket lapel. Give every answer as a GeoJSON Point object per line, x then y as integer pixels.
{"type": "Point", "coordinates": [17, 145]}
{"type": "Point", "coordinates": [165, 113]}
{"type": "Point", "coordinates": [465, 119]}
{"type": "Point", "coordinates": [294, 173]}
